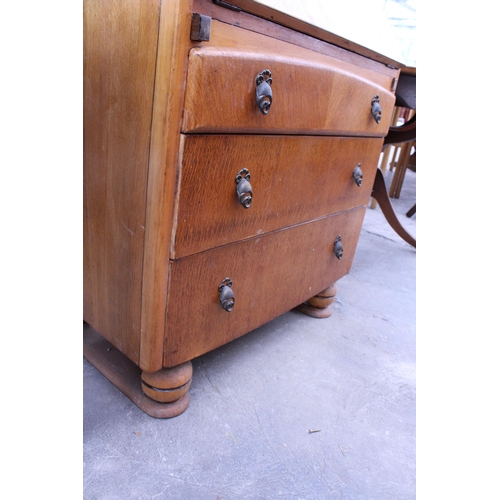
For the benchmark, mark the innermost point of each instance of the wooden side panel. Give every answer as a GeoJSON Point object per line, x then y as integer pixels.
{"type": "Point", "coordinates": [173, 49]}
{"type": "Point", "coordinates": [294, 179]}
{"type": "Point", "coordinates": [270, 275]}
{"type": "Point", "coordinates": [120, 41]}
{"type": "Point", "coordinates": [312, 93]}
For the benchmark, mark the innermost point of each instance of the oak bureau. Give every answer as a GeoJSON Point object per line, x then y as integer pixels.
{"type": "Point", "coordinates": [229, 156]}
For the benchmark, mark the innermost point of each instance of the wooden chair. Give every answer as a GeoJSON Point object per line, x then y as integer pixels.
{"type": "Point", "coordinates": [389, 154]}
{"type": "Point", "coordinates": [396, 157]}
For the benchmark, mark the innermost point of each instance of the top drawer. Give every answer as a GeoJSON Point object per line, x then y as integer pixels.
{"type": "Point", "coordinates": [311, 94]}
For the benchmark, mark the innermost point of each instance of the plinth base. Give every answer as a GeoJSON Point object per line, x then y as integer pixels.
{"type": "Point", "coordinates": [126, 376]}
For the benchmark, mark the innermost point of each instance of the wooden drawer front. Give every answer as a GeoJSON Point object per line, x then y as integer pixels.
{"type": "Point", "coordinates": [313, 95]}
{"type": "Point", "coordinates": [270, 275]}
{"type": "Point", "coordinates": [294, 179]}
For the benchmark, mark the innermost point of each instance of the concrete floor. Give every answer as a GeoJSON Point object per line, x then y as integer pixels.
{"type": "Point", "coordinates": [246, 434]}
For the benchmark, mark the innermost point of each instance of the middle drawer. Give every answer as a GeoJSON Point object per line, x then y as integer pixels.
{"type": "Point", "coordinates": [293, 179]}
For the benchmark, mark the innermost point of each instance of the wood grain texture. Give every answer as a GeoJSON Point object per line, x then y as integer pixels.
{"type": "Point", "coordinates": [145, 182]}
{"type": "Point", "coordinates": [294, 179]}
{"type": "Point", "coordinates": [271, 275]}
{"type": "Point", "coordinates": [173, 48]}
{"type": "Point", "coordinates": [312, 93]}
{"type": "Point", "coordinates": [120, 39]}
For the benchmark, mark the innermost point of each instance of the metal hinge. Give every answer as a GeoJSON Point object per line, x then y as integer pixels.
{"type": "Point", "coordinates": [200, 27]}
{"type": "Point", "coordinates": [226, 5]}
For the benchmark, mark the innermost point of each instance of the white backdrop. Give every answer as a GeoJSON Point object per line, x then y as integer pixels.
{"type": "Point", "coordinates": [385, 26]}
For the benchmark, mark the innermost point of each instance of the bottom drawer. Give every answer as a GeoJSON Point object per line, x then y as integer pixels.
{"type": "Point", "coordinates": [270, 275]}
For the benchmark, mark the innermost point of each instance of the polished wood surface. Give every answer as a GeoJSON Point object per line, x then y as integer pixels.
{"type": "Point", "coordinates": [271, 275]}
{"type": "Point", "coordinates": [173, 47]}
{"type": "Point", "coordinates": [294, 179]}
{"type": "Point", "coordinates": [312, 93]}
{"type": "Point", "coordinates": [120, 40]}
{"type": "Point", "coordinates": [168, 384]}
{"type": "Point", "coordinates": [168, 124]}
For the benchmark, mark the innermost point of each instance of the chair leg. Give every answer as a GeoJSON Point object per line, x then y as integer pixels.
{"type": "Point", "coordinates": [397, 180]}
{"type": "Point", "coordinates": [412, 211]}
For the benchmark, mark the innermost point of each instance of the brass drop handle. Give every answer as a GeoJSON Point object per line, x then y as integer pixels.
{"type": "Point", "coordinates": [376, 109]}
{"type": "Point", "coordinates": [358, 175]}
{"type": "Point", "coordinates": [263, 92]}
{"type": "Point", "coordinates": [226, 294]}
{"type": "Point", "coordinates": [338, 248]}
{"type": "Point", "coordinates": [244, 188]}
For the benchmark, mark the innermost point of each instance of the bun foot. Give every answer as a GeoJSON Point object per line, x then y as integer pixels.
{"type": "Point", "coordinates": [168, 384]}
{"type": "Point", "coordinates": [319, 306]}
{"type": "Point", "coordinates": [168, 388]}
{"type": "Point", "coordinates": [162, 394]}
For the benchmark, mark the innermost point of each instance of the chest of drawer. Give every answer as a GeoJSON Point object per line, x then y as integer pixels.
{"type": "Point", "coordinates": [311, 93]}
{"type": "Point", "coordinates": [270, 275]}
{"type": "Point", "coordinates": [292, 179]}
{"type": "Point", "coordinates": [219, 144]}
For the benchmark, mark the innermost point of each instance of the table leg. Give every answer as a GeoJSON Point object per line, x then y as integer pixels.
{"type": "Point", "coordinates": [379, 192]}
